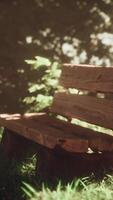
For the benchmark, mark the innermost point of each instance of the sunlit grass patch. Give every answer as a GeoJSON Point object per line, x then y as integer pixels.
{"type": "Point", "coordinates": [83, 189]}
{"type": "Point", "coordinates": [28, 167]}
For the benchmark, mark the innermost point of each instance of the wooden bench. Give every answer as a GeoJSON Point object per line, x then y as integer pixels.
{"type": "Point", "coordinates": [58, 140]}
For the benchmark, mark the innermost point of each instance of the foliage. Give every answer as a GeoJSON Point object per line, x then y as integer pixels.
{"type": "Point", "coordinates": [41, 92]}
{"type": "Point", "coordinates": [18, 182]}
{"type": "Point", "coordinates": [79, 189]}
{"type": "Point", "coordinates": [1, 131]}
{"type": "Point", "coordinates": [12, 174]}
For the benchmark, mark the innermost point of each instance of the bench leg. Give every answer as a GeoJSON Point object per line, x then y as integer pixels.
{"type": "Point", "coordinates": [52, 165]}
{"type": "Point", "coordinates": [44, 164]}
{"type": "Point", "coordinates": [58, 164]}
{"type": "Point", "coordinates": [15, 146]}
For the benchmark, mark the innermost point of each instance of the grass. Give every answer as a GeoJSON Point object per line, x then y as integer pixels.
{"type": "Point", "coordinates": [12, 174]}
{"type": "Point", "coordinates": [18, 182]}
{"type": "Point", "coordinates": [80, 189]}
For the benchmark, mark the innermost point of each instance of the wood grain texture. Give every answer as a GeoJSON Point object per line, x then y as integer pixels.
{"type": "Point", "coordinates": [42, 131]}
{"type": "Point", "coordinates": [90, 109]}
{"type": "Point", "coordinates": [87, 77]}
{"type": "Point", "coordinates": [96, 140]}
{"type": "Point", "coordinates": [52, 132]}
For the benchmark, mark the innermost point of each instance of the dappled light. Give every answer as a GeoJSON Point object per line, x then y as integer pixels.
{"type": "Point", "coordinates": [66, 31]}
{"type": "Point", "coordinates": [19, 116]}
{"type": "Point", "coordinates": [10, 117]}
{"type": "Point", "coordinates": [56, 75]}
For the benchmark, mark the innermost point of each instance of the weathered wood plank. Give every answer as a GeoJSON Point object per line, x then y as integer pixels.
{"type": "Point", "coordinates": [15, 146]}
{"type": "Point", "coordinates": [96, 140]}
{"type": "Point", "coordinates": [43, 133]}
{"type": "Point", "coordinates": [90, 109]}
{"type": "Point", "coordinates": [52, 132]}
{"type": "Point", "coordinates": [87, 77]}
{"type": "Point", "coordinates": [100, 144]}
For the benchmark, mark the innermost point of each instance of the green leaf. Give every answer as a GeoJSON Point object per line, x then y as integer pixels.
{"type": "Point", "coordinates": [29, 100]}
{"type": "Point", "coordinates": [30, 62]}
{"type": "Point", "coordinates": [43, 101]}
{"type": "Point", "coordinates": [29, 190]}
{"type": "Point", "coordinates": [42, 61]}
{"type": "Point", "coordinates": [52, 82]}
{"type": "Point", "coordinates": [35, 87]}
{"type": "Point", "coordinates": [43, 98]}
{"type": "Point", "coordinates": [38, 62]}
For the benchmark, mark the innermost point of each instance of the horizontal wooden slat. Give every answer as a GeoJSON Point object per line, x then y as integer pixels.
{"type": "Point", "coordinates": [87, 77]}
{"type": "Point", "coordinates": [52, 132]}
{"type": "Point", "coordinates": [96, 140]}
{"type": "Point", "coordinates": [90, 109]}
{"type": "Point", "coordinates": [41, 130]}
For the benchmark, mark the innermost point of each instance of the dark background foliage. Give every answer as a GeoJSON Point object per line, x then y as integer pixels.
{"type": "Point", "coordinates": [78, 31]}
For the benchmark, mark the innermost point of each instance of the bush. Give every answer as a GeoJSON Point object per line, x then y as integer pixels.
{"type": "Point", "coordinates": [41, 92]}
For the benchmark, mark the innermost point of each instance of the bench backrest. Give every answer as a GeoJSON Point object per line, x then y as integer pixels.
{"type": "Point", "coordinates": [93, 103]}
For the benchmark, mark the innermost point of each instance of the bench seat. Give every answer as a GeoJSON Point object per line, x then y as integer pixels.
{"type": "Point", "coordinates": [52, 132]}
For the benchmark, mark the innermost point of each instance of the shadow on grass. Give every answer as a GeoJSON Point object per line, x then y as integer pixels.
{"type": "Point", "coordinates": [14, 174]}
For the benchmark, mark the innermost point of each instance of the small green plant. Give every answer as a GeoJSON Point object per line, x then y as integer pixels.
{"type": "Point", "coordinates": [84, 189]}
{"type": "Point", "coordinates": [1, 132]}
{"type": "Point", "coordinates": [60, 192]}
{"type": "Point", "coordinates": [41, 92]}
